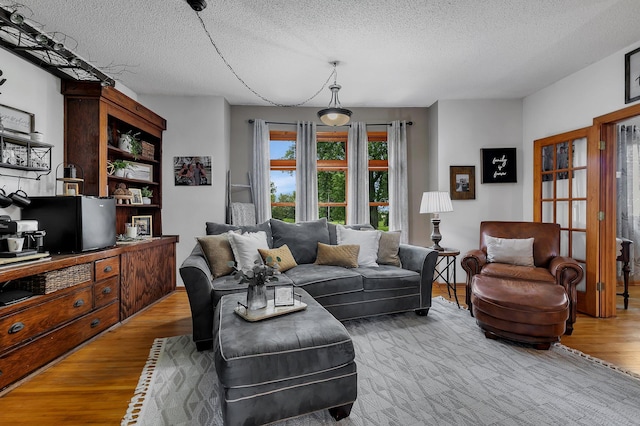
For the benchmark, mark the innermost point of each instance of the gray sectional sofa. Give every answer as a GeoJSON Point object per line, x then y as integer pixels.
{"type": "Point", "coordinates": [347, 293]}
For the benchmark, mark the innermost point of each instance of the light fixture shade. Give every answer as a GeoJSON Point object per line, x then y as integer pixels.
{"type": "Point", "coordinates": [334, 116]}
{"type": "Point", "coordinates": [436, 202]}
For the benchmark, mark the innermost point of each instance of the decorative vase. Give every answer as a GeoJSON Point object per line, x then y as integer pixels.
{"type": "Point", "coordinates": [256, 296]}
{"type": "Point", "coordinates": [119, 173]}
{"type": "Point", "coordinates": [124, 143]}
{"type": "Point", "coordinates": [146, 200]}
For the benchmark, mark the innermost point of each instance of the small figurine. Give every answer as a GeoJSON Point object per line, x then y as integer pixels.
{"type": "Point", "coordinates": [122, 194]}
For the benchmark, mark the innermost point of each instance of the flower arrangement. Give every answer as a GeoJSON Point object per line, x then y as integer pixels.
{"type": "Point", "coordinates": [257, 279]}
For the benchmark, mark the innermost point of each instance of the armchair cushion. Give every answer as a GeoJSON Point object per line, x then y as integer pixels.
{"type": "Point", "coordinates": [515, 272]}
{"type": "Point", "coordinates": [510, 250]}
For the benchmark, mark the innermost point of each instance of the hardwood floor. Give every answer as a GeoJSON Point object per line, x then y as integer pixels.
{"type": "Point", "coordinates": [94, 384]}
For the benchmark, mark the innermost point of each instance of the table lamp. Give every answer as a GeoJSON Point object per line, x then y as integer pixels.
{"type": "Point", "coordinates": [436, 202]}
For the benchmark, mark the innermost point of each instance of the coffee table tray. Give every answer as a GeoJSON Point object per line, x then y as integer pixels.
{"type": "Point", "coordinates": [270, 311]}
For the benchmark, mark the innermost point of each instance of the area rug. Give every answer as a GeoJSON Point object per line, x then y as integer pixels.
{"type": "Point", "coordinates": [412, 370]}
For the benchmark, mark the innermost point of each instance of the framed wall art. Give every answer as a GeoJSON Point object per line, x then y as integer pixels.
{"type": "Point", "coordinates": [16, 120]}
{"type": "Point", "coordinates": [144, 225]}
{"type": "Point", "coordinates": [499, 165]}
{"type": "Point", "coordinates": [632, 76]}
{"type": "Point", "coordinates": [462, 182]}
{"type": "Point", "coordinates": [192, 171]}
{"type": "Point", "coordinates": [137, 195]}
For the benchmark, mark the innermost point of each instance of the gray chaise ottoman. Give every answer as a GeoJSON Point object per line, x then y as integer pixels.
{"type": "Point", "coordinates": [282, 367]}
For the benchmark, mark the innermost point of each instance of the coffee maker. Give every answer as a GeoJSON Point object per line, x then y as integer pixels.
{"type": "Point", "coordinates": [27, 229]}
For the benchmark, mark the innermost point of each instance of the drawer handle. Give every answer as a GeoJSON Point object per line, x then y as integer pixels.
{"type": "Point", "coordinates": [106, 290]}
{"type": "Point", "coordinates": [108, 269]}
{"type": "Point", "coordinates": [78, 303]}
{"type": "Point", "coordinates": [95, 323]}
{"type": "Point", "coordinates": [15, 328]}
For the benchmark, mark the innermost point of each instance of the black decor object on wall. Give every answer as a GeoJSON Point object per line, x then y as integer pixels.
{"type": "Point", "coordinates": [632, 76]}
{"type": "Point", "coordinates": [499, 165]}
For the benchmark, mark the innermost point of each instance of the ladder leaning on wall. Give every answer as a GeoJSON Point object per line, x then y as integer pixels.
{"type": "Point", "coordinates": [239, 213]}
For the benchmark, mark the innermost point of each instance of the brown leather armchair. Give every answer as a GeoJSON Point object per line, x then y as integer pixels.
{"type": "Point", "coordinates": [523, 303]}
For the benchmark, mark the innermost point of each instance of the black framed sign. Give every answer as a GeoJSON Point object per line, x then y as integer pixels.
{"type": "Point", "coordinates": [499, 165]}
{"type": "Point", "coordinates": [632, 76]}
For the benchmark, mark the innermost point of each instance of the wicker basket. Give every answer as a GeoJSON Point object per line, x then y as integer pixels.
{"type": "Point", "coordinates": [49, 282]}
{"type": "Point", "coordinates": [148, 150]}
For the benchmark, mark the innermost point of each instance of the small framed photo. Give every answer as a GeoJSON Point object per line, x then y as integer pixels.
{"type": "Point", "coordinates": [462, 182]}
{"type": "Point", "coordinates": [499, 165]}
{"type": "Point", "coordinates": [137, 196]}
{"type": "Point", "coordinates": [283, 295]}
{"type": "Point", "coordinates": [632, 76]}
{"type": "Point", "coordinates": [144, 225]}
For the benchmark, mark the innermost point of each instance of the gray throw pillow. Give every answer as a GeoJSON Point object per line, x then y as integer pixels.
{"type": "Point", "coordinates": [214, 228]}
{"type": "Point", "coordinates": [302, 238]}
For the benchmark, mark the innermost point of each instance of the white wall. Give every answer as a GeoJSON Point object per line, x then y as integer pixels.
{"type": "Point", "coordinates": [31, 89]}
{"type": "Point", "coordinates": [463, 128]}
{"type": "Point", "coordinates": [196, 126]}
{"type": "Point", "coordinates": [570, 104]}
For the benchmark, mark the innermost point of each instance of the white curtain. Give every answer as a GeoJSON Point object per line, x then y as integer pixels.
{"type": "Point", "coordinates": [398, 182]}
{"type": "Point", "coordinates": [261, 171]}
{"type": "Point", "coordinates": [358, 172]}
{"type": "Point", "coordinates": [306, 172]}
{"type": "Point", "coordinates": [628, 219]}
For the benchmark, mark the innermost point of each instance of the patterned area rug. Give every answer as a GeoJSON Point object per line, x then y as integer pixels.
{"type": "Point", "coordinates": [414, 371]}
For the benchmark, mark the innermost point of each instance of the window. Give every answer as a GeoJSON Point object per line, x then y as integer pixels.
{"type": "Point", "coordinates": [332, 177]}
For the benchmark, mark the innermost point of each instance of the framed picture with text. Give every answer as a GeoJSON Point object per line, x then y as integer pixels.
{"type": "Point", "coordinates": [499, 165]}
{"type": "Point", "coordinates": [632, 76]}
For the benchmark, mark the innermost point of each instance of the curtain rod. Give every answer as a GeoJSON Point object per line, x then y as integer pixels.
{"type": "Point", "coordinates": [251, 121]}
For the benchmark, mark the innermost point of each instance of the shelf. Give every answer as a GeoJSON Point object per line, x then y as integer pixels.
{"type": "Point", "coordinates": [144, 206]}
{"type": "Point", "coordinates": [23, 140]}
{"type": "Point", "coordinates": [122, 154]}
{"type": "Point", "coordinates": [137, 181]}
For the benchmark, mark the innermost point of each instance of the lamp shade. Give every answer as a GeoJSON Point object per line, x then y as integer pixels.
{"type": "Point", "coordinates": [435, 202]}
{"type": "Point", "coordinates": [334, 116]}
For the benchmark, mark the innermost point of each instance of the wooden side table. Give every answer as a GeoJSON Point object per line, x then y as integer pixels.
{"type": "Point", "coordinates": [448, 259]}
{"type": "Point", "coordinates": [624, 257]}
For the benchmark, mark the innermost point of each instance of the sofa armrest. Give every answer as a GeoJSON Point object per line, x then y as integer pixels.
{"type": "Point", "coordinates": [197, 279]}
{"type": "Point", "coordinates": [422, 260]}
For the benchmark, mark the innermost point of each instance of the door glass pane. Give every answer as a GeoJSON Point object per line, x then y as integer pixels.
{"type": "Point", "coordinates": [579, 245]}
{"type": "Point", "coordinates": [547, 212]}
{"type": "Point", "coordinates": [547, 158]}
{"type": "Point", "coordinates": [580, 152]}
{"type": "Point", "coordinates": [582, 286]}
{"type": "Point", "coordinates": [547, 188]}
{"type": "Point", "coordinates": [562, 185]}
{"type": "Point", "coordinates": [562, 213]}
{"type": "Point", "coordinates": [579, 183]}
{"type": "Point", "coordinates": [579, 214]}
{"type": "Point", "coordinates": [564, 243]}
{"type": "Point", "coordinates": [562, 155]}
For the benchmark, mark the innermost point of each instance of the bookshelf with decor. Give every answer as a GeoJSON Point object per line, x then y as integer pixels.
{"type": "Point", "coordinates": [96, 117]}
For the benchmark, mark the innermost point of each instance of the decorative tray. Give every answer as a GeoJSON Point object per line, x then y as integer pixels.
{"type": "Point", "coordinates": [270, 311]}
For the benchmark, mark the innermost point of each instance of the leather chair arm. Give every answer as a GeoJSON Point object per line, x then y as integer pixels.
{"type": "Point", "coordinates": [566, 270]}
{"type": "Point", "coordinates": [472, 262]}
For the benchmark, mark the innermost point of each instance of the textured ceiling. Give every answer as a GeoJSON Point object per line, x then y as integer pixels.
{"type": "Point", "coordinates": [391, 53]}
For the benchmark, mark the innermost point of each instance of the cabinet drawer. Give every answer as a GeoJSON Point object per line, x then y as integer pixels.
{"type": "Point", "coordinates": [106, 268]}
{"type": "Point", "coordinates": [106, 291]}
{"type": "Point", "coordinates": [39, 319]}
{"type": "Point", "coordinates": [23, 360]}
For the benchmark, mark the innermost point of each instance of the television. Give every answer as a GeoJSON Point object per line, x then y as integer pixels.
{"type": "Point", "coordinates": [74, 224]}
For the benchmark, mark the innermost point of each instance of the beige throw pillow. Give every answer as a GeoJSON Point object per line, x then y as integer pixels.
{"type": "Point", "coordinates": [513, 251]}
{"type": "Point", "coordinates": [217, 251]}
{"type": "Point", "coordinates": [345, 255]}
{"type": "Point", "coordinates": [388, 248]}
{"type": "Point", "coordinates": [283, 253]}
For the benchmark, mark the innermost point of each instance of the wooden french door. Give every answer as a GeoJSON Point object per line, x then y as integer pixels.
{"type": "Point", "coordinates": [566, 191]}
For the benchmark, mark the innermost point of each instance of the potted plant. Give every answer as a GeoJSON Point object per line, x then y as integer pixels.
{"type": "Point", "coordinates": [118, 167]}
{"type": "Point", "coordinates": [130, 142]}
{"type": "Point", "coordinates": [256, 279]}
{"type": "Point", "coordinates": [146, 195]}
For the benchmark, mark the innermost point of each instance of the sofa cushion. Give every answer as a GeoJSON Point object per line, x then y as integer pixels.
{"type": "Point", "coordinates": [322, 280]}
{"type": "Point", "coordinates": [505, 270]}
{"type": "Point", "coordinates": [214, 228]}
{"type": "Point", "coordinates": [510, 250]}
{"type": "Point", "coordinates": [387, 277]}
{"type": "Point", "coordinates": [281, 255]}
{"type": "Point", "coordinates": [217, 251]}
{"type": "Point", "coordinates": [367, 240]}
{"type": "Point", "coordinates": [245, 248]}
{"type": "Point", "coordinates": [333, 237]}
{"type": "Point", "coordinates": [388, 249]}
{"type": "Point", "coordinates": [345, 255]}
{"type": "Point", "coordinates": [302, 238]}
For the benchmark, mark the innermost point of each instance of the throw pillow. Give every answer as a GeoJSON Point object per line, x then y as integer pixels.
{"type": "Point", "coordinates": [286, 261]}
{"type": "Point", "coordinates": [217, 251]}
{"type": "Point", "coordinates": [512, 251]}
{"type": "Point", "coordinates": [388, 248]}
{"type": "Point", "coordinates": [367, 240]}
{"type": "Point", "coordinates": [214, 228]}
{"type": "Point", "coordinates": [302, 238]}
{"type": "Point", "coordinates": [345, 255]}
{"type": "Point", "coordinates": [245, 248]}
{"type": "Point", "coordinates": [333, 238]}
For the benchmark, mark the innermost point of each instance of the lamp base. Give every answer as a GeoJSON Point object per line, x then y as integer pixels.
{"type": "Point", "coordinates": [436, 237]}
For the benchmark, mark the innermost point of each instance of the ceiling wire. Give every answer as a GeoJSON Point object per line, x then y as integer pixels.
{"type": "Point", "coordinates": [215, 46]}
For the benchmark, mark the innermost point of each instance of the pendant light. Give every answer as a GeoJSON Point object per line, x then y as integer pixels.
{"type": "Point", "coordinates": [334, 115]}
